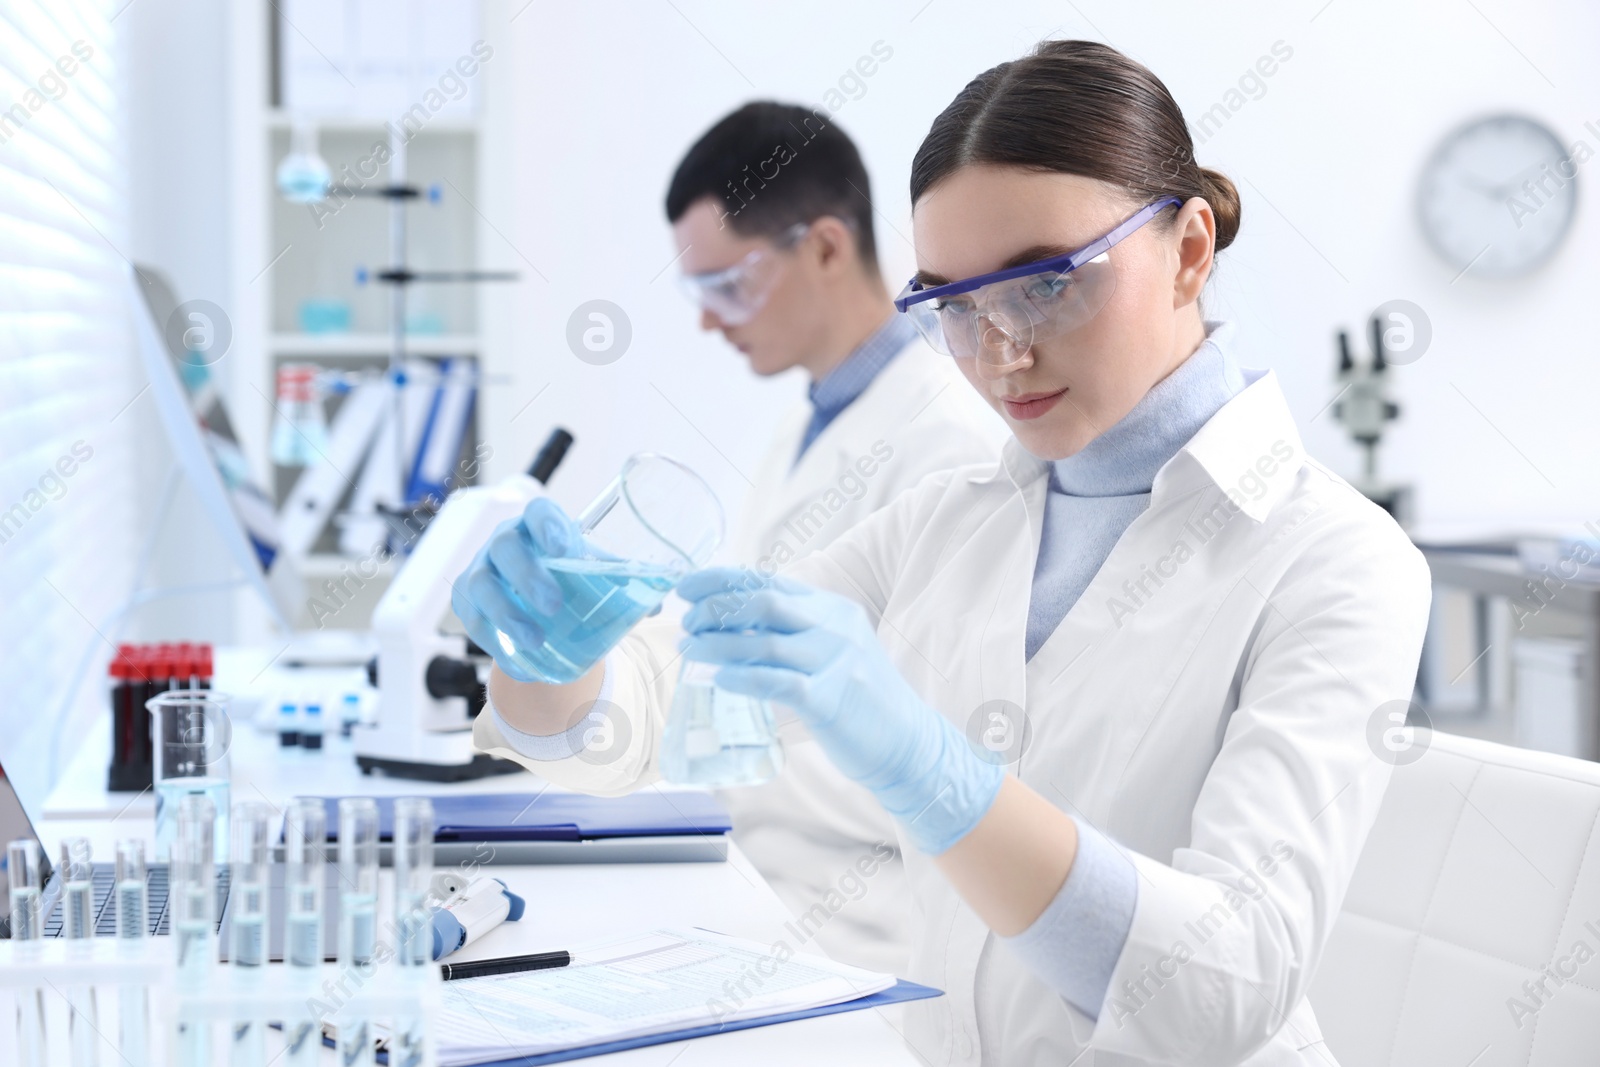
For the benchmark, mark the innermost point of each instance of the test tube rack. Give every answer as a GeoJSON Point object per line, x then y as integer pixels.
{"type": "Point", "coordinates": [58, 970]}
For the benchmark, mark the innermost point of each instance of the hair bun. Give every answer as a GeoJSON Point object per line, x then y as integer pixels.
{"type": "Point", "coordinates": [1223, 197]}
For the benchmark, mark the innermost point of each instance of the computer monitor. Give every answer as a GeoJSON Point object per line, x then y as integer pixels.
{"type": "Point", "coordinates": [178, 346]}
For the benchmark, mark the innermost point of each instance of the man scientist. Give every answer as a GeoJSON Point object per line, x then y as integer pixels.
{"type": "Point", "coordinates": [772, 217]}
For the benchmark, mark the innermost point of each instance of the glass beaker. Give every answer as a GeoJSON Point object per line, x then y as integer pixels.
{"type": "Point", "coordinates": [654, 523]}
{"type": "Point", "coordinates": [717, 738]}
{"type": "Point", "coordinates": [190, 737]}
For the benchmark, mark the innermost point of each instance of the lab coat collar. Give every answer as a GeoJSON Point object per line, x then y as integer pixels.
{"type": "Point", "coordinates": [1250, 449]}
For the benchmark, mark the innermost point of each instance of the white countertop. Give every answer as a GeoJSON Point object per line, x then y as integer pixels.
{"type": "Point", "coordinates": [567, 904]}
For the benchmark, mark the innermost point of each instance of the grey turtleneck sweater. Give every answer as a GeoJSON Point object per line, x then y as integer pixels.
{"type": "Point", "coordinates": [1074, 945]}
{"type": "Point", "coordinates": [1097, 493]}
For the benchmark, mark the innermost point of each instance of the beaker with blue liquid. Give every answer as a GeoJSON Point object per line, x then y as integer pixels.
{"type": "Point", "coordinates": [190, 738]}
{"type": "Point", "coordinates": [657, 521]}
{"type": "Point", "coordinates": [715, 737]}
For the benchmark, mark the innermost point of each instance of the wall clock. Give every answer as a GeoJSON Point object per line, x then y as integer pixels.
{"type": "Point", "coordinates": [1498, 196]}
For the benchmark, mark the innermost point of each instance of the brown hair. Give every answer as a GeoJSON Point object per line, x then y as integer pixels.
{"type": "Point", "coordinates": [1076, 107]}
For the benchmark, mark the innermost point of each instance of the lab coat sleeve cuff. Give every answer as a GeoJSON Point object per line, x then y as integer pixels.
{"type": "Point", "coordinates": [1074, 945]}
{"type": "Point", "coordinates": [1176, 995]}
{"type": "Point", "coordinates": [568, 743]}
{"type": "Point", "coordinates": [613, 751]}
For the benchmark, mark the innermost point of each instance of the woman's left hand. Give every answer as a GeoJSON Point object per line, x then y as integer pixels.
{"type": "Point", "coordinates": [817, 653]}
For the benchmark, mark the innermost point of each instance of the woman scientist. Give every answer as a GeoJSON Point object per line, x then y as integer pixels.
{"type": "Point", "coordinates": [1115, 689]}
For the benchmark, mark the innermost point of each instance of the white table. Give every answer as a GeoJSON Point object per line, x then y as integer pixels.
{"type": "Point", "coordinates": [566, 904]}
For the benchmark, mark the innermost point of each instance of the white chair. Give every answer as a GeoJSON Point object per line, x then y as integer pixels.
{"type": "Point", "coordinates": [1482, 874]}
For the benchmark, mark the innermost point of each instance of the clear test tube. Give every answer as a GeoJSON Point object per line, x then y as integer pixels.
{"type": "Point", "coordinates": [358, 916]}
{"type": "Point", "coordinates": [413, 877]}
{"type": "Point", "coordinates": [77, 896]}
{"type": "Point", "coordinates": [131, 899]}
{"type": "Point", "coordinates": [77, 904]}
{"type": "Point", "coordinates": [252, 844]}
{"type": "Point", "coordinates": [193, 900]}
{"type": "Point", "coordinates": [26, 881]}
{"type": "Point", "coordinates": [305, 841]}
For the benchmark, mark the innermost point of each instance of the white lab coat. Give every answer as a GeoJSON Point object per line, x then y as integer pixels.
{"type": "Point", "coordinates": [807, 830]}
{"type": "Point", "coordinates": [1205, 703]}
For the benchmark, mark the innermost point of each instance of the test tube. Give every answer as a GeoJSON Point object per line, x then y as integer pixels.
{"type": "Point", "coordinates": [26, 882]}
{"type": "Point", "coordinates": [133, 917]}
{"type": "Point", "coordinates": [358, 915]}
{"type": "Point", "coordinates": [305, 841]}
{"type": "Point", "coordinates": [193, 898]}
{"type": "Point", "coordinates": [413, 876]}
{"type": "Point", "coordinates": [77, 903]}
{"type": "Point", "coordinates": [252, 843]}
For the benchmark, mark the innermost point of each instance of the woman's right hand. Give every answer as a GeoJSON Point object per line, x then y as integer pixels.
{"type": "Point", "coordinates": [507, 588]}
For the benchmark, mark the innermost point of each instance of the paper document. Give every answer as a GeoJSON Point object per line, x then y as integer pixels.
{"type": "Point", "coordinates": [634, 987]}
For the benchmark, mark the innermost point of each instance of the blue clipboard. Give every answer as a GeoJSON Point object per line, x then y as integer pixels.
{"type": "Point", "coordinates": [899, 993]}
{"type": "Point", "coordinates": [559, 816]}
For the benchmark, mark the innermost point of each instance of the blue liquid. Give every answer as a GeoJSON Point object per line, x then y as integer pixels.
{"type": "Point", "coordinates": [600, 601]}
{"type": "Point", "coordinates": [303, 938]}
{"type": "Point", "coordinates": [358, 917]}
{"type": "Point", "coordinates": [169, 791]}
{"type": "Point", "coordinates": [249, 925]}
{"type": "Point", "coordinates": [303, 178]}
{"type": "Point", "coordinates": [717, 738]}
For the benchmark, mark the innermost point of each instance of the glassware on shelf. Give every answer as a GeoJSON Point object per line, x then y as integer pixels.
{"type": "Point", "coordinates": [303, 176]}
{"type": "Point", "coordinates": [299, 426]}
{"type": "Point", "coordinates": [324, 315]}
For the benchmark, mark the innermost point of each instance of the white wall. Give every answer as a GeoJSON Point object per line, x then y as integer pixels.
{"type": "Point", "coordinates": [601, 99]}
{"type": "Point", "coordinates": [607, 95]}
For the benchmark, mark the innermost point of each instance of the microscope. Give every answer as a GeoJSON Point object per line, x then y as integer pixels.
{"type": "Point", "coordinates": [429, 676]}
{"type": "Point", "coordinates": [1364, 408]}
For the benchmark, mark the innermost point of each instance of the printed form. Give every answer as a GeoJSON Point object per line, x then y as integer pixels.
{"type": "Point", "coordinates": [638, 986]}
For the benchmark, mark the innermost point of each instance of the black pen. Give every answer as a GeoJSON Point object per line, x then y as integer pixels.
{"type": "Point", "coordinates": [539, 961]}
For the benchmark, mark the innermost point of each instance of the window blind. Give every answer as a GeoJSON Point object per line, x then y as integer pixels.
{"type": "Point", "coordinates": [68, 374]}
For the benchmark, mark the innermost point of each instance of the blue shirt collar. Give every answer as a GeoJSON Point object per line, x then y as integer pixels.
{"type": "Point", "coordinates": [839, 388]}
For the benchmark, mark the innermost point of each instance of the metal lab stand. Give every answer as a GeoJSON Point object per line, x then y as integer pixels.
{"type": "Point", "coordinates": [1571, 612]}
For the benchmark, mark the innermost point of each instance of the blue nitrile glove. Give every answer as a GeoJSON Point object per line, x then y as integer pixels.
{"type": "Point", "coordinates": [817, 653]}
{"type": "Point", "coordinates": [506, 586]}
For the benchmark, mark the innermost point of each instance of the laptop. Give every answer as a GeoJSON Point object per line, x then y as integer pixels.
{"type": "Point", "coordinates": [15, 824]}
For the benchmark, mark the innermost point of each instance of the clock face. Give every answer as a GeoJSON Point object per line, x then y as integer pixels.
{"type": "Point", "coordinates": [1498, 196]}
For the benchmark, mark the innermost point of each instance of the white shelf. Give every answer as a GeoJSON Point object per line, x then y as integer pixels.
{"type": "Point", "coordinates": [370, 344]}
{"type": "Point", "coordinates": [278, 119]}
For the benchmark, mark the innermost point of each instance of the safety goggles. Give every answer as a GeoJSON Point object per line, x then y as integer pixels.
{"type": "Point", "coordinates": [734, 294]}
{"type": "Point", "coordinates": [1000, 315]}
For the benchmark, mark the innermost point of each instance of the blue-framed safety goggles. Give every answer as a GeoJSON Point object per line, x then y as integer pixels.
{"type": "Point", "coordinates": [1000, 315]}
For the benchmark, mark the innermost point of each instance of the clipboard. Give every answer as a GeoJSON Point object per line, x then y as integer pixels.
{"type": "Point", "coordinates": [899, 993]}
{"type": "Point", "coordinates": [550, 816]}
